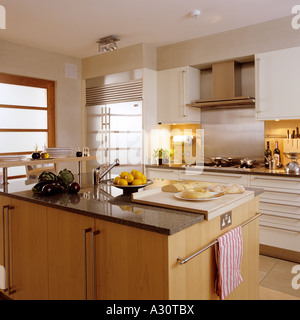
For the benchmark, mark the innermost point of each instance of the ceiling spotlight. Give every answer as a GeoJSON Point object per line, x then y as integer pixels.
{"type": "Point", "coordinates": [196, 14]}
{"type": "Point", "coordinates": [108, 44]}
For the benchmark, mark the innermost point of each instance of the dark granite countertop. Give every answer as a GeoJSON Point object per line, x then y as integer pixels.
{"type": "Point", "coordinates": [108, 203]}
{"type": "Point", "coordinates": [259, 170]}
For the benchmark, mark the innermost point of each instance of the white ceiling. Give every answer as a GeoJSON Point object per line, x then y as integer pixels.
{"type": "Point", "coordinates": [72, 27]}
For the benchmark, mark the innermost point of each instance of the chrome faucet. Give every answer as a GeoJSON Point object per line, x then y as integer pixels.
{"type": "Point", "coordinates": [99, 176]}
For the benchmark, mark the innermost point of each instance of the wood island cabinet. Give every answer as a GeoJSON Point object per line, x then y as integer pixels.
{"type": "Point", "coordinates": [25, 248]}
{"type": "Point", "coordinates": [69, 255]}
{"type": "Point", "coordinates": [59, 255]}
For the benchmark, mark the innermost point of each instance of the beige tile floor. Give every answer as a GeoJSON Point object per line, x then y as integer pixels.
{"type": "Point", "coordinates": [276, 279]}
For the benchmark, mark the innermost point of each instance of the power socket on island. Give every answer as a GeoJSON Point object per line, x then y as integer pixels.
{"type": "Point", "coordinates": [226, 220]}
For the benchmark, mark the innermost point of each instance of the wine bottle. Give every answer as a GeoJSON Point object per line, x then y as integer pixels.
{"type": "Point", "coordinates": [276, 155]}
{"type": "Point", "coordinates": [268, 155]}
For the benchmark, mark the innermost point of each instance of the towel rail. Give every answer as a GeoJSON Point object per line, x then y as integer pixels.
{"type": "Point", "coordinates": [181, 261]}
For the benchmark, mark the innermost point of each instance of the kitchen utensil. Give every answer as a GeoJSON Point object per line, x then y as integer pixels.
{"type": "Point", "coordinates": [219, 160]}
{"type": "Point", "coordinates": [247, 163]}
{"type": "Point", "coordinates": [293, 166]}
{"type": "Point", "coordinates": [216, 160]}
{"type": "Point", "coordinates": [86, 152]}
{"type": "Point", "coordinates": [228, 160]}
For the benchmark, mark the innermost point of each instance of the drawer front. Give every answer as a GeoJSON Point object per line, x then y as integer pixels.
{"type": "Point", "coordinates": [281, 232]}
{"type": "Point", "coordinates": [284, 219]}
{"type": "Point", "coordinates": [280, 208]}
{"type": "Point", "coordinates": [214, 177]}
{"type": "Point", "coordinates": [276, 183]}
{"type": "Point", "coordinates": [162, 174]}
{"type": "Point", "coordinates": [281, 197]}
{"type": "Point", "coordinates": [273, 236]}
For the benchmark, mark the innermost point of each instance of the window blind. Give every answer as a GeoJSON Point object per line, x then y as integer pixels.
{"type": "Point", "coordinates": [115, 93]}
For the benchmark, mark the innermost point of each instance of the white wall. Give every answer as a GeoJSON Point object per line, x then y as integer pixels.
{"type": "Point", "coordinates": [27, 61]}
{"type": "Point", "coordinates": [268, 36]}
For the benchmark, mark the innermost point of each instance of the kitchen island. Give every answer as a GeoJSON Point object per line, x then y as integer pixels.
{"type": "Point", "coordinates": [98, 244]}
{"type": "Point", "coordinates": [280, 202]}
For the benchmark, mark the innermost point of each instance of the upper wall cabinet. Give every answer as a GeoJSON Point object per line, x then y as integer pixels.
{"type": "Point", "coordinates": [277, 84]}
{"type": "Point", "coordinates": [176, 88]}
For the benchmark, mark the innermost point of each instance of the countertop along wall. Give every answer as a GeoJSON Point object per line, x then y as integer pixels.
{"type": "Point", "coordinates": [31, 62]}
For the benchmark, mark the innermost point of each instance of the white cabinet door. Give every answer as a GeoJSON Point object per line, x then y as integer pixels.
{"type": "Point", "coordinates": [277, 84]}
{"type": "Point", "coordinates": [176, 88]}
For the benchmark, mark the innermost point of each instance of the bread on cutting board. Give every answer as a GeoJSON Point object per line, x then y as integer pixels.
{"type": "Point", "coordinates": [191, 185]}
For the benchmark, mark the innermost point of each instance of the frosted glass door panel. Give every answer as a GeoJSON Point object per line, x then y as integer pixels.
{"type": "Point", "coordinates": [16, 142]}
{"type": "Point", "coordinates": [23, 119]}
{"type": "Point", "coordinates": [23, 95]}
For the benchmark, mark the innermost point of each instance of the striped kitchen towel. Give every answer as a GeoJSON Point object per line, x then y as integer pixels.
{"type": "Point", "coordinates": [229, 252]}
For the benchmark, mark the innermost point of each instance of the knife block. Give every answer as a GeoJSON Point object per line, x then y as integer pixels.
{"type": "Point", "coordinates": [291, 145]}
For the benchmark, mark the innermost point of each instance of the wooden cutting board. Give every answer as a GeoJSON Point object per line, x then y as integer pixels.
{"type": "Point", "coordinates": [210, 208]}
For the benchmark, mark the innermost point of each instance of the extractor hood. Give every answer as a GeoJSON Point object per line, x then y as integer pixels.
{"type": "Point", "coordinates": [226, 87]}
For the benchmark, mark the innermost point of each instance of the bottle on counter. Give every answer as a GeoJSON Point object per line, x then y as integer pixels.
{"type": "Point", "coordinates": [268, 155]}
{"type": "Point", "coordinates": [44, 154]}
{"type": "Point", "coordinates": [78, 152]}
{"type": "Point", "coordinates": [36, 155]}
{"type": "Point", "coordinates": [276, 156]}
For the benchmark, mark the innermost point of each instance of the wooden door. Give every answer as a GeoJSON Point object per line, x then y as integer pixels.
{"type": "Point", "coordinates": [69, 251]}
{"type": "Point", "coordinates": [130, 263]}
{"type": "Point", "coordinates": [28, 251]}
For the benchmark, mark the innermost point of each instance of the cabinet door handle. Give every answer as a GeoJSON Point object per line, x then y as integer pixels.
{"type": "Point", "coordinates": [278, 228]}
{"type": "Point", "coordinates": [3, 244]}
{"type": "Point", "coordinates": [9, 262]}
{"type": "Point", "coordinates": [85, 231]}
{"type": "Point", "coordinates": [258, 108]}
{"type": "Point", "coordinates": [3, 235]}
{"type": "Point", "coordinates": [93, 262]}
{"type": "Point", "coordinates": [273, 179]}
{"type": "Point", "coordinates": [183, 94]}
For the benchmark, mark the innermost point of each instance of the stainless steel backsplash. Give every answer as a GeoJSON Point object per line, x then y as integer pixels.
{"type": "Point", "coordinates": [233, 132]}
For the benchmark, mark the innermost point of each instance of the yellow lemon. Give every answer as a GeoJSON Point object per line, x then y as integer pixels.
{"type": "Point", "coordinates": [133, 171]}
{"type": "Point", "coordinates": [144, 181]}
{"type": "Point", "coordinates": [123, 174]}
{"type": "Point", "coordinates": [129, 178]}
{"type": "Point", "coordinates": [116, 180]}
{"type": "Point", "coordinates": [137, 175]}
{"type": "Point", "coordinates": [123, 182]}
{"type": "Point", "coordinates": [137, 182]}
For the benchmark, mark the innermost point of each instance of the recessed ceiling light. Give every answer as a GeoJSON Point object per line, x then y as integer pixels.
{"type": "Point", "coordinates": [196, 14]}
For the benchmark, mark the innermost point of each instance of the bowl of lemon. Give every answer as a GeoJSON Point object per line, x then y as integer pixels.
{"type": "Point", "coordinates": [130, 182]}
